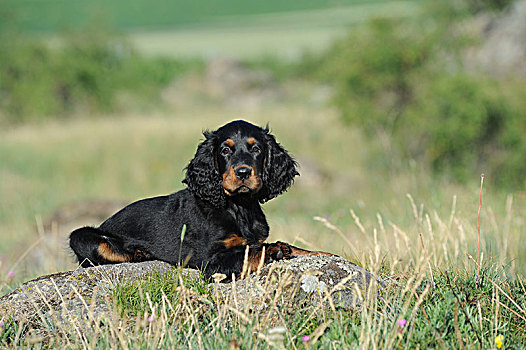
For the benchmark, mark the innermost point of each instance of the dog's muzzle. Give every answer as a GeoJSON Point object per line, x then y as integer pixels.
{"type": "Point", "coordinates": [241, 179]}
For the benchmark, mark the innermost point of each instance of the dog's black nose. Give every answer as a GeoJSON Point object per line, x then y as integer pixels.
{"type": "Point", "coordinates": [243, 172]}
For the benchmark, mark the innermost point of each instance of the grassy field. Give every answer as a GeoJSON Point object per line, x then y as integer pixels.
{"type": "Point", "coordinates": [285, 35]}
{"type": "Point", "coordinates": [50, 165]}
{"type": "Point", "coordinates": [242, 30]}
{"type": "Point", "coordinates": [433, 300]}
{"type": "Point", "coordinates": [135, 156]}
{"type": "Point", "coordinates": [52, 15]}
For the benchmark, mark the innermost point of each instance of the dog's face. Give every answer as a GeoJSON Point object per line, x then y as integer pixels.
{"type": "Point", "coordinates": [240, 158]}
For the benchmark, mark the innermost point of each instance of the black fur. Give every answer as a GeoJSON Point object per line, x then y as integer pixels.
{"type": "Point", "coordinates": [279, 170]}
{"type": "Point", "coordinates": [220, 208]}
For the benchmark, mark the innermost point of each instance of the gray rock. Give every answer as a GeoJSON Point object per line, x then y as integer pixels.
{"type": "Point", "coordinates": [83, 294]}
{"type": "Point", "coordinates": [333, 280]}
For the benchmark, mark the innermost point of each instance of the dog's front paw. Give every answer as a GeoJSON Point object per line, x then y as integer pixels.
{"type": "Point", "coordinates": [278, 251]}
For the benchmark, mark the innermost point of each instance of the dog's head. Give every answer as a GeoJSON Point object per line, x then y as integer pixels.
{"type": "Point", "coordinates": [239, 159]}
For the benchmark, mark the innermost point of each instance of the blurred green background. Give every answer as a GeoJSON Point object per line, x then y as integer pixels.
{"type": "Point", "coordinates": [392, 108]}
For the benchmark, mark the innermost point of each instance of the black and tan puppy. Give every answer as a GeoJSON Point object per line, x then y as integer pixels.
{"type": "Point", "coordinates": [235, 168]}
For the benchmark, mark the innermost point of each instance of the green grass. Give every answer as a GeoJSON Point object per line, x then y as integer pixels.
{"type": "Point", "coordinates": [455, 311]}
{"type": "Point", "coordinates": [446, 309]}
{"type": "Point", "coordinates": [132, 297]}
{"type": "Point", "coordinates": [46, 15]}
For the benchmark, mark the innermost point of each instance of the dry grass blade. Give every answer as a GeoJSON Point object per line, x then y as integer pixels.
{"type": "Point", "coordinates": [318, 332]}
{"type": "Point", "coordinates": [413, 206]}
{"type": "Point", "coordinates": [478, 230]}
{"type": "Point", "coordinates": [457, 329]}
{"type": "Point", "coordinates": [357, 221]}
{"type": "Point", "coordinates": [332, 227]}
{"type": "Point", "coordinates": [428, 261]}
{"type": "Point", "coordinates": [509, 298]}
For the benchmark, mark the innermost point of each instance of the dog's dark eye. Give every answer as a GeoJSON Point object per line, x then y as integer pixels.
{"type": "Point", "coordinates": [226, 151]}
{"type": "Point", "coordinates": [255, 149]}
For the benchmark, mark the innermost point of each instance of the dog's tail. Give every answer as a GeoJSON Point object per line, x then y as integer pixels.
{"type": "Point", "coordinates": [92, 247]}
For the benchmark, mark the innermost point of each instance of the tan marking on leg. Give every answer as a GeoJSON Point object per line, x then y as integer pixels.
{"type": "Point", "coordinates": [254, 257]}
{"type": "Point", "coordinates": [107, 253]}
{"type": "Point", "coordinates": [299, 251]}
{"type": "Point", "coordinates": [234, 241]}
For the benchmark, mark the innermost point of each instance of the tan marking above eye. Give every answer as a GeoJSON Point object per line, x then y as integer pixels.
{"type": "Point", "coordinates": [229, 142]}
{"type": "Point", "coordinates": [251, 141]}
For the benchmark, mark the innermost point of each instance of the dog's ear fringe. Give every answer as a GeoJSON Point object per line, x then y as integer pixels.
{"type": "Point", "coordinates": [280, 169]}
{"type": "Point", "coordinates": [208, 134]}
{"type": "Point", "coordinates": [202, 177]}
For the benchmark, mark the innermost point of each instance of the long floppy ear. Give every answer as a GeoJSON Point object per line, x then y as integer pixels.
{"type": "Point", "coordinates": [279, 170]}
{"type": "Point", "coordinates": [202, 177]}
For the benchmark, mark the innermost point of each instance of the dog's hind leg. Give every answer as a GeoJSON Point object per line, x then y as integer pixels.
{"type": "Point", "coordinates": [93, 247]}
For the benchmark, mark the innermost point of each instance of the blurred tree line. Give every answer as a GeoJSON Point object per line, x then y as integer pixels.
{"type": "Point", "coordinates": [404, 82]}
{"type": "Point", "coordinates": [87, 71]}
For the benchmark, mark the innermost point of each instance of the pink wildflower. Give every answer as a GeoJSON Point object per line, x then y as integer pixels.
{"type": "Point", "coordinates": [402, 322]}
{"type": "Point", "coordinates": [305, 338]}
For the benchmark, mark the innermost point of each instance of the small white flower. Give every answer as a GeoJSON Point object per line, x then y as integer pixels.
{"type": "Point", "coordinates": [311, 284]}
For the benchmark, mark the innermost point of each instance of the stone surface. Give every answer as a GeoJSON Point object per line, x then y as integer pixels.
{"type": "Point", "coordinates": [503, 47]}
{"type": "Point", "coordinates": [75, 293]}
{"type": "Point", "coordinates": [331, 280]}
{"type": "Point", "coordinates": [325, 281]}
